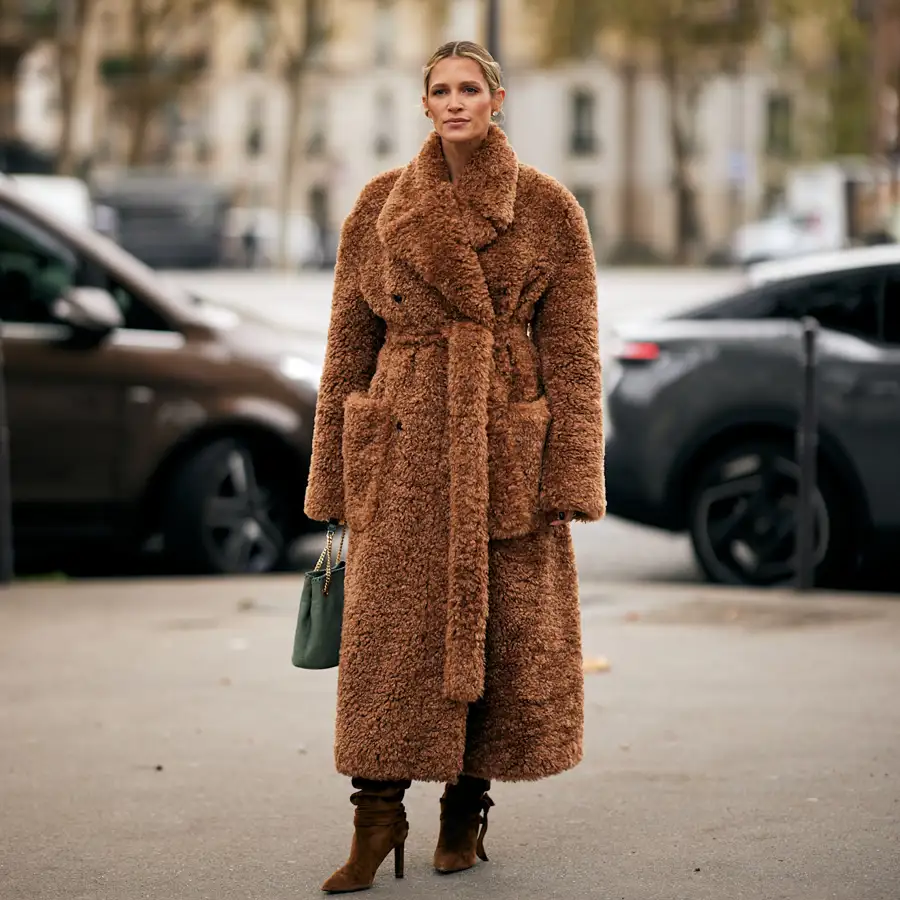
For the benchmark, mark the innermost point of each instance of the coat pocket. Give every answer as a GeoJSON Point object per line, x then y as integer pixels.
{"type": "Point", "coordinates": [516, 450]}
{"type": "Point", "coordinates": [364, 443]}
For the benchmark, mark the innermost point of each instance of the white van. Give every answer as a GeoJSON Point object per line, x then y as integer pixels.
{"type": "Point", "coordinates": [67, 198]}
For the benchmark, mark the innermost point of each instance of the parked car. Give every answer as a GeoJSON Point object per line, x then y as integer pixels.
{"type": "Point", "coordinates": [168, 221]}
{"type": "Point", "coordinates": [67, 198]}
{"type": "Point", "coordinates": [137, 413]}
{"type": "Point", "coordinates": [703, 408]}
{"type": "Point", "coordinates": [781, 236]}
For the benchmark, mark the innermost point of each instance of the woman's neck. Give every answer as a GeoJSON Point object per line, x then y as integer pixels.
{"type": "Point", "coordinates": [457, 155]}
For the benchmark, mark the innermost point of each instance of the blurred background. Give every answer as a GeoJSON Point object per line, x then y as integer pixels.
{"type": "Point", "coordinates": [239, 132]}
{"type": "Point", "coordinates": [173, 178]}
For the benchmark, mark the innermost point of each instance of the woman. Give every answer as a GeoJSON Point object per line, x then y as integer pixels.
{"type": "Point", "coordinates": [458, 433]}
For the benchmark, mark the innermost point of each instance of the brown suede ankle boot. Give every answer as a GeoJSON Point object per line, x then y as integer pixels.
{"type": "Point", "coordinates": [379, 826]}
{"type": "Point", "coordinates": [464, 807]}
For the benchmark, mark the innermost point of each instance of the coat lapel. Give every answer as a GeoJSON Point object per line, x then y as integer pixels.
{"type": "Point", "coordinates": [438, 230]}
{"type": "Point", "coordinates": [487, 190]}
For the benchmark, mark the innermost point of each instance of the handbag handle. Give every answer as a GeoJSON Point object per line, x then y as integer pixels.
{"type": "Point", "coordinates": [328, 553]}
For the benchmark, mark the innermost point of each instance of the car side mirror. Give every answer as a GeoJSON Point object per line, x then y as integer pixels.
{"type": "Point", "coordinates": [88, 309]}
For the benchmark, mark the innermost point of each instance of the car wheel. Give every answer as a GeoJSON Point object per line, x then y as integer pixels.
{"type": "Point", "coordinates": [228, 511]}
{"type": "Point", "coordinates": [743, 518]}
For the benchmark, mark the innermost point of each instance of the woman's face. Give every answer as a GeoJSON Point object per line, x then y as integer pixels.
{"type": "Point", "coordinates": [459, 101]}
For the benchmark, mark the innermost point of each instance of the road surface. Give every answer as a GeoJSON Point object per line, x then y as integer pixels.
{"type": "Point", "coordinates": [155, 744]}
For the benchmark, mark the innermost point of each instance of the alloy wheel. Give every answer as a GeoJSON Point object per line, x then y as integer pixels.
{"type": "Point", "coordinates": [745, 517]}
{"type": "Point", "coordinates": [244, 523]}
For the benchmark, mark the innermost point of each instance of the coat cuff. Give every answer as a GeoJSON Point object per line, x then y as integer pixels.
{"type": "Point", "coordinates": [322, 504]}
{"type": "Point", "coordinates": [570, 483]}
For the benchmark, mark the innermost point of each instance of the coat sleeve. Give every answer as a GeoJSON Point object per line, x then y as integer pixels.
{"type": "Point", "coordinates": [566, 335]}
{"type": "Point", "coordinates": [355, 335]}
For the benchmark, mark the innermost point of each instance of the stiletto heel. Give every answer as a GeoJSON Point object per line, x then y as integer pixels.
{"type": "Point", "coordinates": [379, 826]}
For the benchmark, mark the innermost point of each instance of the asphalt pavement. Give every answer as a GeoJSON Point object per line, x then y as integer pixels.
{"type": "Point", "coordinates": [156, 743]}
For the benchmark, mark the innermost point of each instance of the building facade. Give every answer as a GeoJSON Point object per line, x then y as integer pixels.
{"type": "Point", "coordinates": [224, 97]}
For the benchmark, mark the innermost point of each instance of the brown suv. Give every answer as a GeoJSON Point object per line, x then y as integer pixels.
{"type": "Point", "coordinates": [139, 415]}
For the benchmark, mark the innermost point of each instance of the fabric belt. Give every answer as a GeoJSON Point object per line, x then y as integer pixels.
{"type": "Point", "coordinates": [470, 375]}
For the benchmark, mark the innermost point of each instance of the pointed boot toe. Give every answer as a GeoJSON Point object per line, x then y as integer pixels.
{"type": "Point", "coordinates": [380, 826]}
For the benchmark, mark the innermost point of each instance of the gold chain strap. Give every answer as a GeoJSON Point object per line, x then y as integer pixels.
{"type": "Point", "coordinates": [328, 553]}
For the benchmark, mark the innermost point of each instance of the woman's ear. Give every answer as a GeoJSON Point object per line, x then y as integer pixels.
{"type": "Point", "coordinates": [498, 98]}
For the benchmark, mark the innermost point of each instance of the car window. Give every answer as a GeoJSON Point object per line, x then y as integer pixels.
{"type": "Point", "coordinates": [135, 312]}
{"type": "Point", "coordinates": [891, 309]}
{"type": "Point", "coordinates": [847, 303]}
{"type": "Point", "coordinates": [35, 270]}
{"type": "Point", "coordinates": [754, 303]}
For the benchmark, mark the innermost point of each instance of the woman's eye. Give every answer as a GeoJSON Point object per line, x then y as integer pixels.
{"type": "Point", "coordinates": [474, 90]}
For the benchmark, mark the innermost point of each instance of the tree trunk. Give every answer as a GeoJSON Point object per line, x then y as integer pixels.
{"type": "Point", "coordinates": [7, 103]}
{"type": "Point", "coordinates": [71, 48]}
{"type": "Point", "coordinates": [687, 224]}
{"type": "Point", "coordinates": [143, 105]}
{"type": "Point", "coordinates": [286, 193]}
{"type": "Point", "coordinates": [142, 115]}
{"type": "Point", "coordinates": [629, 199]}
{"type": "Point", "coordinates": [10, 56]}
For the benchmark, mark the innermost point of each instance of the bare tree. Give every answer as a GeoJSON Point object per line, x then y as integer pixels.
{"type": "Point", "coordinates": [686, 43]}
{"type": "Point", "coordinates": [74, 21]}
{"type": "Point", "coordinates": [21, 28]}
{"type": "Point", "coordinates": [158, 66]}
{"type": "Point", "coordinates": [301, 34]}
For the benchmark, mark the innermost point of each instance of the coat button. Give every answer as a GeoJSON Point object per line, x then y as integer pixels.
{"type": "Point", "coordinates": [398, 298]}
{"type": "Point", "coordinates": [399, 426]}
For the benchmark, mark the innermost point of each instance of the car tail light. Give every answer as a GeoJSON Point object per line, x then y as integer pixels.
{"type": "Point", "coordinates": [637, 351]}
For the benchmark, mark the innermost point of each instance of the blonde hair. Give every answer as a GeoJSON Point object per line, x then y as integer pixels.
{"type": "Point", "coordinates": [489, 66]}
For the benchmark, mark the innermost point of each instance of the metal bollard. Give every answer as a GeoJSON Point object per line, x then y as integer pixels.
{"type": "Point", "coordinates": [6, 542]}
{"type": "Point", "coordinates": [807, 452]}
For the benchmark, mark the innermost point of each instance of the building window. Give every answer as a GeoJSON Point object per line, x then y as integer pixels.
{"type": "Point", "coordinates": [318, 210]}
{"type": "Point", "coordinates": [585, 198]}
{"type": "Point", "coordinates": [255, 140]}
{"type": "Point", "coordinates": [385, 124]}
{"type": "Point", "coordinates": [582, 138]}
{"type": "Point", "coordinates": [318, 113]}
{"type": "Point", "coordinates": [317, 26]}
{"type": "Point", "coordinates": [258, 41]}
{"type": "Point", "coordinates": [778, 43]}
{"type": "Point", "coordinates": [779, 114]}
{"type": "Point", "coordinates": [385, 29]}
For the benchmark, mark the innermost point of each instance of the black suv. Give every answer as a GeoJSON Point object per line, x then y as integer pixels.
{"type": "Point", "coordinates": [703, 410]}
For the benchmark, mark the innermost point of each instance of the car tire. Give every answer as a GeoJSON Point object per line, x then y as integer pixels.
{"type": "Point", "coordinates": [742, 518]}
{"type": "Point", "coordinates": [228, 511]}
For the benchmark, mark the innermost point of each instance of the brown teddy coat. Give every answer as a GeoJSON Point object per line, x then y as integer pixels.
{"type": "Point", "coordinates": [459, 404]}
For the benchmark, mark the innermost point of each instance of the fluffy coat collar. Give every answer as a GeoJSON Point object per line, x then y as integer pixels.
{"type": "Point", "coordinates": [438, 227]}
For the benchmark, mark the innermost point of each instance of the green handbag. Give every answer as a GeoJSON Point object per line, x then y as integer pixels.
{"type": "Point", "coordinates": [317, 640]}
